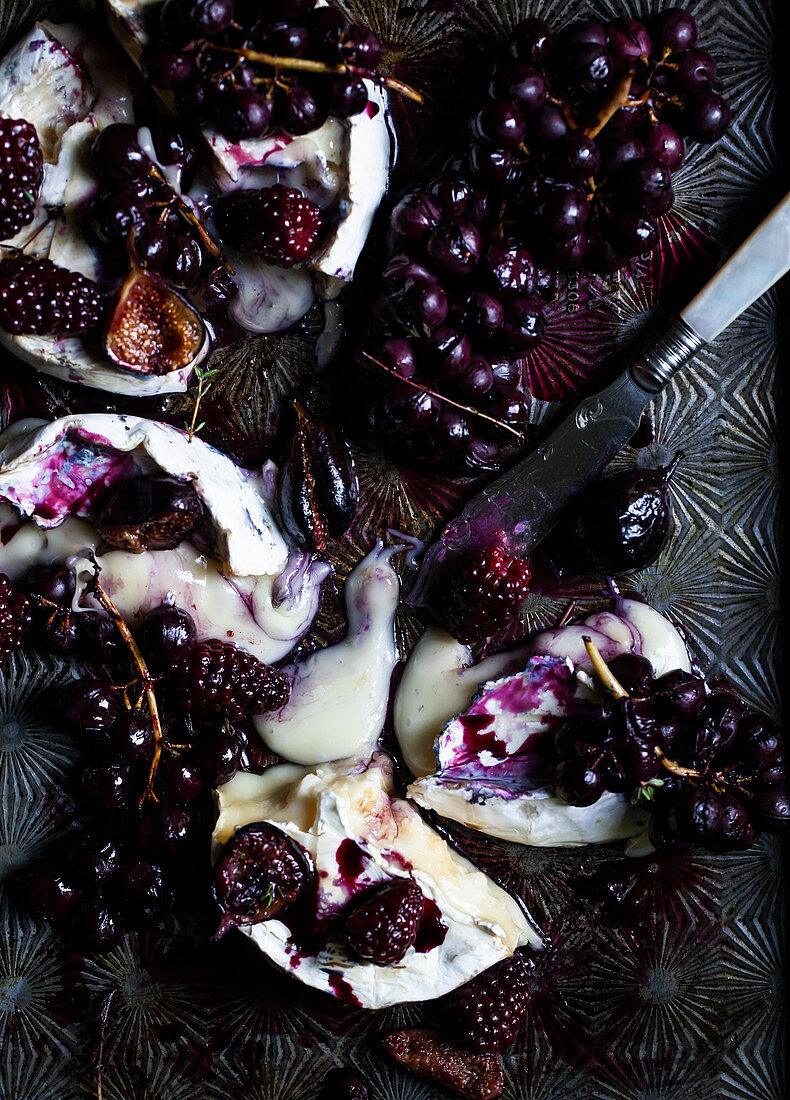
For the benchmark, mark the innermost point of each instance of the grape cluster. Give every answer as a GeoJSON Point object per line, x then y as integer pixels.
{"type": "Point", "coordinates": [582, 132]}
{"type": "Point", "coordinates": [710, 770]}
{"type": "Point", "coordinates": [568, 165]}
{"type": "Point", "coordinates": [142, 784]}
{"type": "Point", "coordinates": [137, 209]}
{"type": "Point", "coordinates": [240, 66]}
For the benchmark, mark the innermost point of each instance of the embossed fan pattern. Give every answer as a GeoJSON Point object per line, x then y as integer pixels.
{"type": "Point", "coordinates": [665, 988]}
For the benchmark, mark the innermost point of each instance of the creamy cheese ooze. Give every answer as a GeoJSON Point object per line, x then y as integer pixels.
{"type": "Point", "coordinates": [339, 694]}
{"type": "Point", "coordinates": [326, 807]}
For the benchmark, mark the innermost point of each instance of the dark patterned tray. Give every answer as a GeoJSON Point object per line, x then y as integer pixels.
{"type": "Point", "coordinates": [662, 983]}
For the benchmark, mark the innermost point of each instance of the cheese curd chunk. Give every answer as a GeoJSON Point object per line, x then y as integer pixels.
{"type": "Point", "coordinates": [71, 83]}
{"type": "Point", "coordinates": [327, 807]}
{"type": "Point", "coordinates": [339, 694]}
{"type": "Point", "coordinates": [50, 471]}
{"type": "Point", "coordinates": [492, 781]}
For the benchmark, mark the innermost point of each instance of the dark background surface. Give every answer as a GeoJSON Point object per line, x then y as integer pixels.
{"type": "Point", "coordinates": [676, 992]}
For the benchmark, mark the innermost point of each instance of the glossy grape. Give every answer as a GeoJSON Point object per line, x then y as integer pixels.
{"type": "Point", "coordinates": [91, 704]}
{"type": "Point", "coordinates": [578, 781]}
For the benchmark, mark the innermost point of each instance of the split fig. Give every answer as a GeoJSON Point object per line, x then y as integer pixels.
{"type": "Point", "coordinates": [150, 513]}
{"type": "Point", "coordinates": [152, 329]}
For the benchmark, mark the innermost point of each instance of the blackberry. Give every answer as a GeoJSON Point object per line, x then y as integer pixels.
{"type": "Point", "coordinates": [15, 617]}
{"type": "Point", "coordinates": [37, 296]}
{"type": "Point", "coordinates": [489, 1009]}
{"type": "Point", "coordinates": [384, 925]}
{"type": "Point", "coordinates": [276, 223]}
{"type": "Point", "coordinates": [218, 678]}
{"type": "Point", "coordinates": [485, 590]}
{"type": "Point", "coordinates": [21, 173]}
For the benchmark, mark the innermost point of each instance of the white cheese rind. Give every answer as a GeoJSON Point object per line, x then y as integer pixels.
{"type": "Point", "coordinates": [248, 540]}
{"type": "Point", "coordinates": [537, 821]}
{"type": "Point", "coordinates": [320, 808]}
{"type": "Point", "coordinates": [367, 174]}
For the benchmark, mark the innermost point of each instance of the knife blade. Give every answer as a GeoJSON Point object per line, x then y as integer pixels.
{"type": "Point", "coordinates": [519, 508]}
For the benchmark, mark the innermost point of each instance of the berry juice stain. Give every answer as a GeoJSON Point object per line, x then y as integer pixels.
{"type": "Point", "coordinates": [432, 930]}
{"type": "Point", "coordinates": [350, 863]}
{"type": "Point", "coordinates": [342, 990]}
{"type": "Point", "coordinates": [475, 739]}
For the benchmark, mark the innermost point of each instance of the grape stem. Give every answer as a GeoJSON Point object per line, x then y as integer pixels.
{"type": "Point", "coordinates": [602, 670]}
{"type": "Point", "coordinates": [676, 769]}
{"type": "Point", "coordinates": [146, 678]}
{"type": "Point", "coordinates": [566, 615]}
{"type": "Point", "coordinates": [619, 98]}
{"type": "Point", "coordinates": [307, 65]}
{"type": "Point", "coordinates": [189, 214]}
{"type": "Point", "coordinates": [618, 691]}
{"type": "Point", "coordinates": [442, 397]}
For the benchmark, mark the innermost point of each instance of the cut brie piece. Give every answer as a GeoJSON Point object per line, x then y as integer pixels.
{"type": "Point", "coordinates": [539, 820]}
{"type": "Point", "coordinates": [349, 159]}
{"type": "Point", "coordinates": [440, 682]}
{"type": "Point", "coordinates": [329, 806]}
{"type": "Point", "coordinates": [43, 82]}
{"type": "Point", "coordinates": [70, 84]}
{"type": "Point", "coordinates": [50, 471]}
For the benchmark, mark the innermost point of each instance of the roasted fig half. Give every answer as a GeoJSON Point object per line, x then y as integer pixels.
{"type": "Point", "coordinates": [259, 872]}
{"type": "Point", "coordinates": [317, 490]}
{"type": "Point", "coordinates": [151, 329]}
{"type": "Point", "coordinates": [150, 513]}
{"type": "Point", "coordinates": [618, 525]}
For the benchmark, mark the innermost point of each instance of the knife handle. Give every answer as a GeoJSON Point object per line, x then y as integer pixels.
{"type": "Point", "coordinates": [659, 361]}
{"type": "Point", "coordinates": [760, 261]}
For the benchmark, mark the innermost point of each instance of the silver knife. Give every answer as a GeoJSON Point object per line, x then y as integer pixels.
{"type": "Point", "coordinates": [520, 507]}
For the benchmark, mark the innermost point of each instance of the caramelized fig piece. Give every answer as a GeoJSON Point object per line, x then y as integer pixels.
{"type": "Point", "coordinates": [150, 513]}
{"type": "Point", "coordinates": [468, 1073]}
{"type": "Point", "coordinates": [317, 490]}
{"type": "Point", "coordinates": [151, 329]}
{"type": "Point", "coordinates": [259, 872]}
{"type": "Point", "coordinates": [619, 524]}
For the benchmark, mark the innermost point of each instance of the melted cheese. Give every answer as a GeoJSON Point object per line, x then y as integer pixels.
{"type": "Point", "coordinates": [339, 694]}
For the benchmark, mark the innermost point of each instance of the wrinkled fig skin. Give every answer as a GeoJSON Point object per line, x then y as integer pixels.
{"type": "Point", "coordinates": [150, 513]}
{"type": "Point", "coordinates": [470, 1073]}
{"type": "Point", "coordinates": [258, 873]}
{"type": "Point", "coordinates": [620, 524]}
{"type": "Point", "coordinates": [317, 490]}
